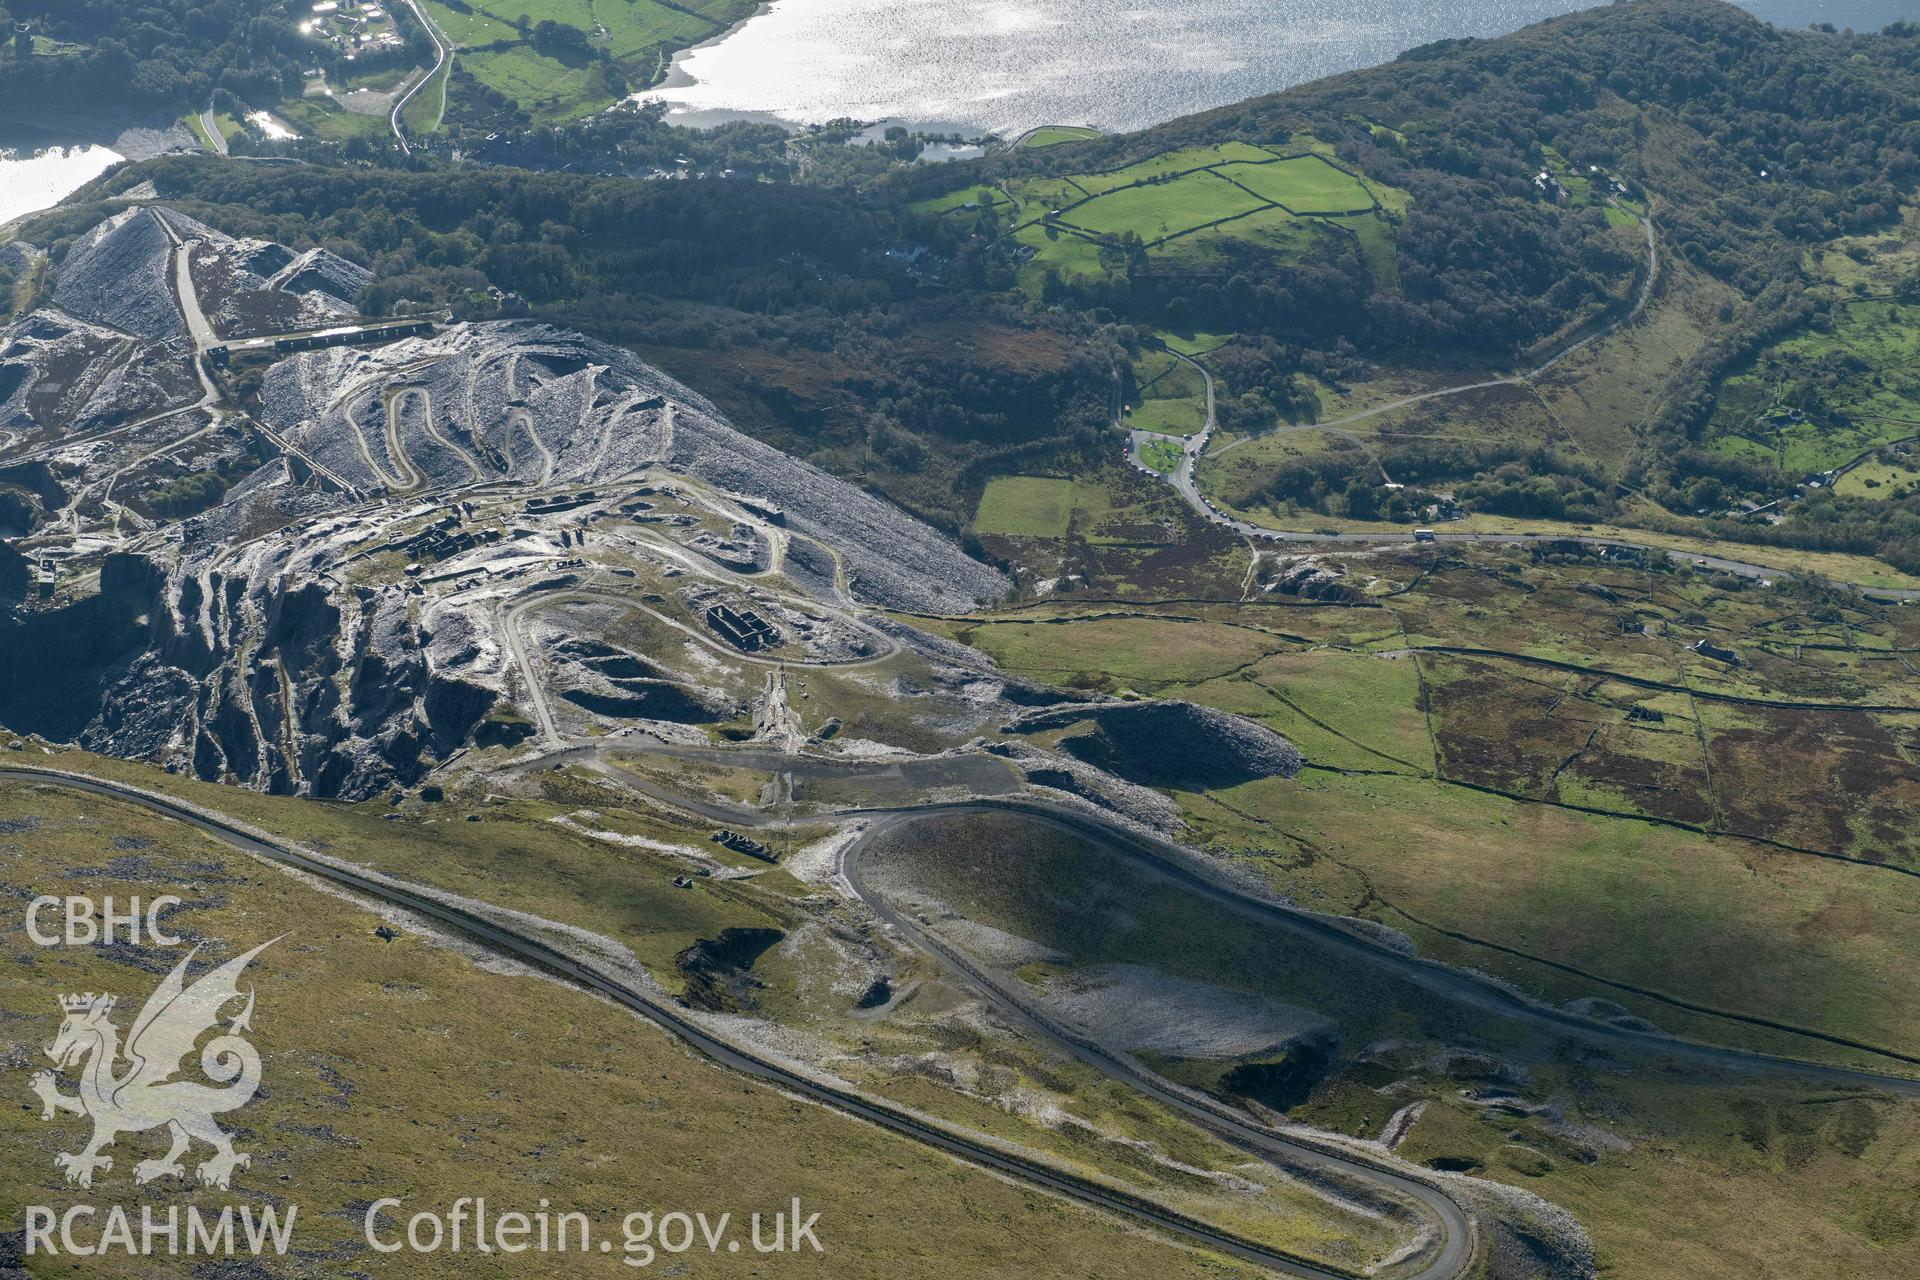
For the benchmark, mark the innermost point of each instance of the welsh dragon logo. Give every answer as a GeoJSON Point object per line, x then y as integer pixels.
{"type": "Point", "coordinates": [141, 1093]}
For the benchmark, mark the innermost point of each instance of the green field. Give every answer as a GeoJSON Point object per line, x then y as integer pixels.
{"type": "Point", "coordinates": [548, 90]}
{"type": "Point", "coordinates": [1168, 164]}
{"type": "Point", "coordinates": [1826, 395]}
{"type": "Point", "coordinates": [474, 26]}
{"type": "Point", "coordinates": [1161, 455]}
{"type": "Point", "coordinates": [1304, 184]}
{"type": "Point", "coordinates": [1025, 507]}
{"type": "Point", "coordinates": [320, 118]}
{"type": "Point", "coordinates": [1197, 210]}
{"type": "Point", "coordinates": [635, 34]}
{"type": "Point", "coordinates": [968, 201]}
{"type": "Point", "coordinates": [1193, 344]}
{"type": "Point", "coordinates": [1160, 210]}
{"type": "Point", "coordinates": [1888, 474]}
{"type": "Point", "coordinates": [1172, 396]}
{"type": "Point", "coordinates": [1052, 135]}
{"type": "Point", "coordinates": [630, 26]}
{"type": "Point", "coordinates": [1492, 769]}
{"type": "Point", "coordinates": [425, 111]}
{"type": "Point", "coordinates": [1171, 416]}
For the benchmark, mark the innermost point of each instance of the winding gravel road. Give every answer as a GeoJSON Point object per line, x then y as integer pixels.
{"type": "Point", "coordinates": [1182, 477]}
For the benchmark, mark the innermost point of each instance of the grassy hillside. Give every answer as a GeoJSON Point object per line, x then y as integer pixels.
{"type": "Point", "coordinates": [1590, 1132]}
{"type": "Point", "coordinates": [1530, 766]}
{"type": "Point", "coordinates": [1484, 205]}
{"type": "Point", "coordinates": [609, 862]}
{"type": "Point", "coordinates": [1536, 765]}
{"type": "Point", "coordinates": [419, 1068]}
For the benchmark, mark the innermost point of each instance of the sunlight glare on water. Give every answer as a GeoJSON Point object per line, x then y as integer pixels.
{"type": "Point", "coordinates": [1007, 65]}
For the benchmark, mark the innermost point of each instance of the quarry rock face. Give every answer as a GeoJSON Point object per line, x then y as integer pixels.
{"type": "Point", "coordinates": [269, 638]}
{"type": "Point", "coordinates": [530, 402]}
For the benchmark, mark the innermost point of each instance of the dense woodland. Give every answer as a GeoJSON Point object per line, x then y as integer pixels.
{"type": "Point", "coordinates": [147, 56]}
{"type": "Point", "coordinates": [1757, 142]}
{"type": "Point", "coordinates": [804, 294]}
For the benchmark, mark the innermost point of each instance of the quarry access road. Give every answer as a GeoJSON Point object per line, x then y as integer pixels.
{"type": "Point", "coordinates": [549, 958]}
{"type": "Point", "coordinates": [1524, 378]}
{"type": "Point", "coordinates": [1168, 859]}
{"type": "Point", "coordinates": [434, 433]}
{"type": "Point", "coordinates": [412, 479]}
{"type": "Point", "coordinates": [524, 420]}
{"type": "Point", "coordinates": [1455, 1233]}
{"type": "Point", "coordinates": [510, 614]}
{"type": "Point", "coordinates": [889, 646]}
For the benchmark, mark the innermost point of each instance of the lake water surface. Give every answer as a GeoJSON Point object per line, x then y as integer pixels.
{"type": "Point", "coordinates": [1008, 65]}
{"type": "Point", "coordinates": [39, 177]}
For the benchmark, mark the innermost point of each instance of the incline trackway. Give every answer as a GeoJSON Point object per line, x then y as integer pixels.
{"type": "Point", "coordinates": [1449, 983]}
{"type": "Point", "coordinates": [543, 955]}
{"type": "Point", "coordinates": [1442, 981]}
{"type": "Point", "coordinates": [1167, 858]}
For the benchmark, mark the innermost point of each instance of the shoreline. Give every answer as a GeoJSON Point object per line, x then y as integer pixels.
{"type": "Point", "coordinates": [132, 137]}
{"type": "Point", "coordinates": [814, 86]}
{"type": "Point", "coordinates": [27, 144]}
{"type": "Point", "coordinates": [677, 76]}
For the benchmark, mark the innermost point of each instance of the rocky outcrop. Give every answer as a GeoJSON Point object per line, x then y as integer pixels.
{"type": "Point", "coordinates": [1139, 806]}
{"type": "Point", "coordinates": [718, 971]}
{"type": "Point", "coordinates": [322, 272]}
{"type": "Point", "coordinates": [1313, 580]}
{"type": "Point", "coordinates": [15, 575]}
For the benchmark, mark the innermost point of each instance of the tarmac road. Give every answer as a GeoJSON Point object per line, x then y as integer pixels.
{"type": "Point", "coordinates": [442, 51]}
{"type": "Point", "coordinates": [533, 951]}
